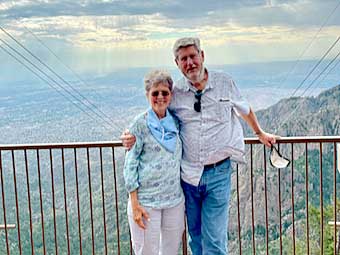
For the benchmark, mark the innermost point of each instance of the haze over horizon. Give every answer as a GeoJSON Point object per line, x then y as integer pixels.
{"type": "Point", "coordinates": [268, 47]}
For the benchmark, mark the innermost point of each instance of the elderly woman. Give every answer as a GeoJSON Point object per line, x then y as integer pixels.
{"type": "Point", "coordinates": [152, 174]}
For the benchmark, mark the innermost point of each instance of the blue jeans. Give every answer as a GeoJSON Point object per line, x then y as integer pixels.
{"type": "Point", "coordinates": [207, 210]}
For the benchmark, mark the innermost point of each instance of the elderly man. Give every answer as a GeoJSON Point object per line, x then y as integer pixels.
{"type": "Point", "coordinates": [208, 105]}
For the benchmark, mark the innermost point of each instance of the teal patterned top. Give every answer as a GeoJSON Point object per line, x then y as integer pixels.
{"type": "Point", "coordinates": [152, 169]}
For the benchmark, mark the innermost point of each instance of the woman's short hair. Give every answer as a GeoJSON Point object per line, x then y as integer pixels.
{"type": "Point", "coordinates": [155, 77]}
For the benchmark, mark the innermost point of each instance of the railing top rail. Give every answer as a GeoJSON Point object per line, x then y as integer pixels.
{"type": "Point", "coordinates": [299, 139]}
{"type": "Point", "coordinates": [60, 145]}
{"type": "Point", "coordinates": [248, 140]}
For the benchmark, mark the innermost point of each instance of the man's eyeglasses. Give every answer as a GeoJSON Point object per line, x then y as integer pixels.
{"type": "Point", "coordinates": [198, 96]}
{"type": "Point", "coordinates": [163, 92]}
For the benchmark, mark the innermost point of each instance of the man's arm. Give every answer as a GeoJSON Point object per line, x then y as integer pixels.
{"type": "Point", "coordinates": [265, 138]}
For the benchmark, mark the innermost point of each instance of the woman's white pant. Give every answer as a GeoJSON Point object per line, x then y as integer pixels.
{"type": "Point", "coordinates": [163, 233]}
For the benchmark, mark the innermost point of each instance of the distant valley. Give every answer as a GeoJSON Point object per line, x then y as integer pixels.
{"type": "Point", "coordinates": [33, 113]}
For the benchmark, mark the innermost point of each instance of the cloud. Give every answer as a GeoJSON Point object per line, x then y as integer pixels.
{"type": "Point", "coordinates": [297, 13]}
{"type": "Point", "coordinates": [179, 14]}
{"type": "Point", "coordinates": [250, 28]}
{"type": "Point", "coordinates": [256, 24]}
{"type": "Point", "coordinates": [9, 5]}
{"type": "Point", "coordinates": [173, 9]}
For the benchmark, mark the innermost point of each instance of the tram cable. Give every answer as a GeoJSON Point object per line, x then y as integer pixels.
{"type": "Point", "coordinates": [47, 82]}
{"type": "Point", "coordinates": [99, 113]}
{"type": "Point", "coordinates": [61, 61]}
{"type": "Point", "coordinates": [308, 47]}
{"type": "Point", "coordinates": [56, 83]}
{"type": "Point", "coordinates": [102, 115]}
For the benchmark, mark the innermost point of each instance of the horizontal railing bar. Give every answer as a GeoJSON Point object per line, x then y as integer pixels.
{"type": "Point", "coordinates": [331, 223]}
{"type": "Point", "coordinates": [8, 226]}
{"type": "Point", "coordinates": [248, 140]}
{"type": "Point", "coordinates": [297, 139]}
{"type": "Point", "coordinates": [61, 145]}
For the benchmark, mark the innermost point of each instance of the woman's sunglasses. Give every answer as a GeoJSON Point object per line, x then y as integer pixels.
{"type": "Point", "coordinates": [163, 92]}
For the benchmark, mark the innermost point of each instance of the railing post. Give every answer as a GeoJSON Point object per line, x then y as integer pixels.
{"type": "Point", "coordinates": [41, 203]}
{"type": "Point", "coordinates": [321, 203]}
{"type": "Point", "coordinates": [266, 198]}
{"type": "Point", "coordinates": [16, 201]}
{"type": "Point", "coordinates": [29, 201]}
{"type": "Point", "coordinates": [238, 210]}
{"type": "Point", "coordinates": [184, 239]}
{"type": "Point", "coordinates": [293, 204]}
{"type": "Point", "coordinates": [3, 203]}
{"type": "Point", "coordinates": [252, 199]}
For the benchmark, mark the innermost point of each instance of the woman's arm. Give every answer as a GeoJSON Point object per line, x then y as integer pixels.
{"type": "Point", "coordinates": [131, 175]}
{"type": "Point", "coordinates": [138, 211]}
{"type": "Point", "coordinates": [132, 158]}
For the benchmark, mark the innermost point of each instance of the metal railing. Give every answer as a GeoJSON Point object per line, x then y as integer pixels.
{"type": "Point", "coordinates": [70, 199]}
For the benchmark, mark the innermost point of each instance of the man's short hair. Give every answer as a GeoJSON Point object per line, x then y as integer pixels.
{"type": "Point", "coordinates": [186, 42]}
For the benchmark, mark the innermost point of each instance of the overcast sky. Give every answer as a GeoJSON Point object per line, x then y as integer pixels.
{"type": "Point", "coordinates": [102, 35]}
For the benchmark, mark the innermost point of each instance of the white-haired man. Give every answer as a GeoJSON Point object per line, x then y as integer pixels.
{"type": "Point", "coordinates": [207, 105]}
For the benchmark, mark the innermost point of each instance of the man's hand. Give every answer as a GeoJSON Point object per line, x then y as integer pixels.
{"type": "Point", "coordinates": [139, 213]}
{"type": "Point", "coordinates": [267, 139]}
{"type": "Point", "coordinates": [128, 139]}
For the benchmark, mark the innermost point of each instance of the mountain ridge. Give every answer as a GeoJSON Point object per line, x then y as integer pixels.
{"type": "Point", "coordinates": [303, 116]}
{"type": "Point", "coordinates": [295, 116]}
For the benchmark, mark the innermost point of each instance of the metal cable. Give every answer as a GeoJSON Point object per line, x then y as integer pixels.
{"type": "Point", "coordinates": [60, 86]}
{"type": "Point", "coordinates": [307, 48]}
{"type": "Point", "coordinates": [109, 120]}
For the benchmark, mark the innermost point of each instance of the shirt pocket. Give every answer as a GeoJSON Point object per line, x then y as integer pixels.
{"type": "Point", "coordinates": [226, 108]}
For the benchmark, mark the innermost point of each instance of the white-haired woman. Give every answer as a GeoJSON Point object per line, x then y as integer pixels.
{"type": "Point", "coordinates": [152, 173]}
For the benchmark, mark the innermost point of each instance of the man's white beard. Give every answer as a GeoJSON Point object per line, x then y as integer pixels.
{"type": "Point", "coordinates": [200, 76]}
